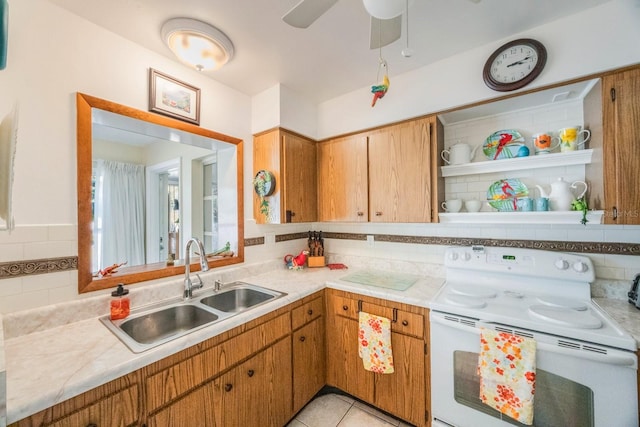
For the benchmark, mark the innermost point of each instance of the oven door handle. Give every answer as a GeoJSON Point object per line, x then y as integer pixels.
{"type": "Point", "coordinates": [611, 359]}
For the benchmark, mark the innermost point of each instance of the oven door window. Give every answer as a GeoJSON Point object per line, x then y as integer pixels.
{"type": "Point", "coordinates": [558, 401]}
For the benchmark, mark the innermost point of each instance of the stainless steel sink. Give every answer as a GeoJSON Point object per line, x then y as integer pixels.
{"type": "Point", "coordinates": [238, 298]}
{"type": "Point", "coordinates": [159, 323]}
{"type": "Point", "coordinates": [162, 324]}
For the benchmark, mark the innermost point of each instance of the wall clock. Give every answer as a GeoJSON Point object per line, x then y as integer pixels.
{"type": "Point", "coordinates": [514, 65]}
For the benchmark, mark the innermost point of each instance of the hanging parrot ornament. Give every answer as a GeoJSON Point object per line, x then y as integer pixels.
{"type": "Point", "coordinates": [381, 89]}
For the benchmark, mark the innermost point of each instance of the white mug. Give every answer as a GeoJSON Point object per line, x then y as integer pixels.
{"type": "Point", "coordinates": [452, 205]}
{"type": "Point", "coordinates": [569, 138]}
{"type": "Point", "coordinates": [473, 205]}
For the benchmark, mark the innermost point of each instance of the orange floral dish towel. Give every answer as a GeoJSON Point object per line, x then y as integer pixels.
{"type": "Point", "coordinates": [374, 343]}
{"type": "Point", "coordinates": [507, 369]}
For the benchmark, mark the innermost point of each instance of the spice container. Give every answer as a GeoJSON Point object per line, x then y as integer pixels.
{"type": "Point", "coordinates": [120, 305]}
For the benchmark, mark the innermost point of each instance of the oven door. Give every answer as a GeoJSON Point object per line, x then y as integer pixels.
{"type": "Point", "coordinates": [592, 387]}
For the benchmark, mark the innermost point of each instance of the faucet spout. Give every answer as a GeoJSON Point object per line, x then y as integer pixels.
{"type": "Point", "coordinates": [189, 286]}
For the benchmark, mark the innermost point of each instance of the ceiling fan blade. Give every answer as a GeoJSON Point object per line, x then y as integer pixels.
{"type": "Point", "coordinates": [306, 12]}
{"type": "Point", "coordinates": [384, 31]}
{"type": "Point", "coordinates": [475, 1]}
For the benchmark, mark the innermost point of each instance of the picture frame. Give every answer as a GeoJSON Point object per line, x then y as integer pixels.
{"type": "Point", "coordinates": [174, 98]}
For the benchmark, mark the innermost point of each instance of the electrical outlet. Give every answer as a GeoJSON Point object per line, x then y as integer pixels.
{"type": "Point", "coordinates": [370, 240]}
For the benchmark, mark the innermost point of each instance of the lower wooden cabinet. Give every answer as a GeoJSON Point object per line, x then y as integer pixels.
{"type": "Point", "coordinates": [263, 372]}
{"type": "Point", "coordinates": [255, 393]}
{"type": "Point", "coordinates": [402, 393]}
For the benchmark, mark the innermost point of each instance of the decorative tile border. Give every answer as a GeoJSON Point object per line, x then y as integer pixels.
{"type": "Point", "coordinates": [37, 266]}
{"type": "Point", "coordinates": [52, 265]}
{"type": "Point", "coordinates": [254, 241]}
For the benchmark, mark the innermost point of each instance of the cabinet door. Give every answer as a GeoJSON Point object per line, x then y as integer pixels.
{"type": "Point", "coordinates": [400, 182]}
{"type": "Point", "coordinates": [299, 177]}
{"type": "Point", "coordinates": [344, 366]}
{"type": "Point", "coordinates": [266, 156]}
{"type": "Point", "coordinates": [342, 179]}
{"type": "Point", "coordinates": [255, 393]}
{"type": "Point", "coordinates": [408, 377]}
{"type": "Point", "coordinates": [309, 363]}
{"type": "Point", "coordinates": [621, 147]}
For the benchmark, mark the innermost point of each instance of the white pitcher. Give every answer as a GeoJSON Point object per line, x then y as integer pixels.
{"type": "Point", "coordinates": [561, 195]}
{"type": "Point", "coordinates": [459, 154]}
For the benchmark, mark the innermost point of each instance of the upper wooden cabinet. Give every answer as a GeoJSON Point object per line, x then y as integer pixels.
{"type": "Point", "coordinates": [401, 162]}
{"type": "Point", "coordinates": [343, 180]}
{"type": "Point", "coordinates": [621, 147]}
{"type": "Point", "coordinates": [386, 175]}
{"type": "Point", "coordinates": [291, 158]}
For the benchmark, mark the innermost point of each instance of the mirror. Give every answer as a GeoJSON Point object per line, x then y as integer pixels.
{"type": "Point", "coordinates": [180, 181]}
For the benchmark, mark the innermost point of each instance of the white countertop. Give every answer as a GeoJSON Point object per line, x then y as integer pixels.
{"type": "Point", "coordinates": [77, 356]}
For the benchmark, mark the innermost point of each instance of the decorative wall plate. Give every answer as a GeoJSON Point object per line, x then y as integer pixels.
{"type": "Point", "coordinates": [505, 144]}
{"type": "Point", "coordinates": [264, 183]}
{"type": "Point", "coordinates": [503, 195]}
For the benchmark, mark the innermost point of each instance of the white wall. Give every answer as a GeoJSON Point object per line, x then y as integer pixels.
{"type": "Point", "coordinates": [598, 39]}
{"type": "Point", "coordinates": [53, 54]}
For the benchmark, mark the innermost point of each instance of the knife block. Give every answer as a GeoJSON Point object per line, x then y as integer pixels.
{"type": "Point", "coordinates": [315, 261]}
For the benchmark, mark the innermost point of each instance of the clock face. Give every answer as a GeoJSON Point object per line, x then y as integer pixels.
{"type": "Point", "coordinates": [514, 65]}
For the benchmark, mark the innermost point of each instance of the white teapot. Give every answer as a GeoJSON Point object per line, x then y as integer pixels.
{"type": "Point", "coordinates": [458, 154]}
{"type": "Point", "coordinates": [561, 195]}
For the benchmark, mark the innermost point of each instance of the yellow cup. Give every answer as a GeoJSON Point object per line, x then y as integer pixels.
{"type": "Point", "coordinates": [570, 138]}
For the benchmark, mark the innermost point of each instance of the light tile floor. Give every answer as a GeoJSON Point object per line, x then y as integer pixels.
{"type": "Point", "coordinates": [336, 410]}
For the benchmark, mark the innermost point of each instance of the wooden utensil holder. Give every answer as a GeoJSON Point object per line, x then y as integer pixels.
{"type": "Point", "coordinates": [315, 261]}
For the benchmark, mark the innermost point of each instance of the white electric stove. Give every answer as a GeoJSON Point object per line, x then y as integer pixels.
{"type": "Point", "coordinates": [584, 357]}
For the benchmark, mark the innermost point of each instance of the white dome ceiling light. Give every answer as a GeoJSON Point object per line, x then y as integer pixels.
{"type": "Point", "coordinates": [197, 44]}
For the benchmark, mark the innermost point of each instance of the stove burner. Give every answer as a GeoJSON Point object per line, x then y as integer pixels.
{"type": "Point", "coordinates": [465, 301]}
{"type": "Point", "coordinates": [513, 294]}
{"type": "Point", "coordinates": [565, 317]}
{"type": "Point", "coordinates": [559, 302]}
{"type": "Point", "coordinates": [470, 291]}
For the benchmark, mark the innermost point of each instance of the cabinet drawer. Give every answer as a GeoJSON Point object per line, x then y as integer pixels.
{"type": "Point", "coordinates": [342, 306]}
{"type": "Point", "coordinates": [402, 321]}
{"type": "Point", "coordinates": [172, 382]}
{"type": "Point", "coordinates": [306, 313]}
{"type": "Point", "coordinates": [120, 409]}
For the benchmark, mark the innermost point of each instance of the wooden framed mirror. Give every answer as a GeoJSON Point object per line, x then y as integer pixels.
{"type": "Point", "coordinates": [208, 194]}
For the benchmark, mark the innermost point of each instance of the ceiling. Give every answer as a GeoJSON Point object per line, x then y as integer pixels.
{"type": "Point", "coordinates": [332, 56]}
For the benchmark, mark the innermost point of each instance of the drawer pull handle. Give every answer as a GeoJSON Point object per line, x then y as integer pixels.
{"type": "Point", "coordinates": [405, 323]}
{"type": "Point", "coordinates": [250, 372]}
{"type": "Point", "coordinates": [228, 387]}
{"type": "Point", "coordinates": [302, 338]}
{"type": "Point", "coordinates": [310, 312]}
{"type": "Point", "coordinates": [92, 425]}
{"type": "Point", "coordinates": [345, 308]}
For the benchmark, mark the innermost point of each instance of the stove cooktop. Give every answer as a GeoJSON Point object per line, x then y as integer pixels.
{"type": "Point", "coordinates": [528, 289]}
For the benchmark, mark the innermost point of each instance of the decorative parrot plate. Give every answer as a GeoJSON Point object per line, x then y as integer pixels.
{"type": "Point", "coordinates": [503, 195]}
{"type": "Point", "coordinates": [505, 144]}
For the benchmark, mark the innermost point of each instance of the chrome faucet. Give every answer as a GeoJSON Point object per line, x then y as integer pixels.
{"type": "Point", "coordinates": [189, 286]}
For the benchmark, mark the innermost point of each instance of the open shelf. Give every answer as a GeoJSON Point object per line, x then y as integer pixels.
{"type": "Point", "coordinates": [579, 157]}
{"type": "Point", "coordinates": [550, 217]}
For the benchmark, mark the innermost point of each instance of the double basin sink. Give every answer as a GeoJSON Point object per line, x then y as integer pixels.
{"type": "Point", "coordinates": [157, 324]}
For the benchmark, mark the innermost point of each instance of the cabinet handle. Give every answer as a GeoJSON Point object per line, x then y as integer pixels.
{"type": "Point", "coordinates": [92, 425]}
{"type": "Point", "coordinates": [378, 213]}
{"type": "Point", "coordinates": [302, 338]}
{"type": "Point", "coordinates": [250, 372]}
{"type": "Point", "coordinates": [360, 213]}
{"type": "Point", "coordinates": [345, 308]}
{"type": "Point", "coordinates": [310, 312]}
{"type": "Point", "coordinates": [228, 387]}
{"type": "Point", "coordinates": [405, 323]}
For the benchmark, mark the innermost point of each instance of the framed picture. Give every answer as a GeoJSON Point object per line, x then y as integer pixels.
{"type": "Point", "coordinates": [171, 97]}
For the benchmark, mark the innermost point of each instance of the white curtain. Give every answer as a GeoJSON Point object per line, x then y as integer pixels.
{"type": "Point", "coordinates": [119, 214]}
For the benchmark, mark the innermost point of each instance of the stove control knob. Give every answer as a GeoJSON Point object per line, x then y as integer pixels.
{"type": "Point", "coordinates": [580, 267]}
{"type": "Point", "coordinates": [453, 256]}
{"type": "Point", "coordinates": [466, 256]}
{"type": "Point", "coordinates": [561, 264]}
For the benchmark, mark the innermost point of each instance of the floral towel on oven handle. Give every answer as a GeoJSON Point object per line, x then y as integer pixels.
{"type": "Point", "coordinates": [507, 369]}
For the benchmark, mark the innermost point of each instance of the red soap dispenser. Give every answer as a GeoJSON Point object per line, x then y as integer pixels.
{"type": "Point", "coordinates": [120, 306]}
